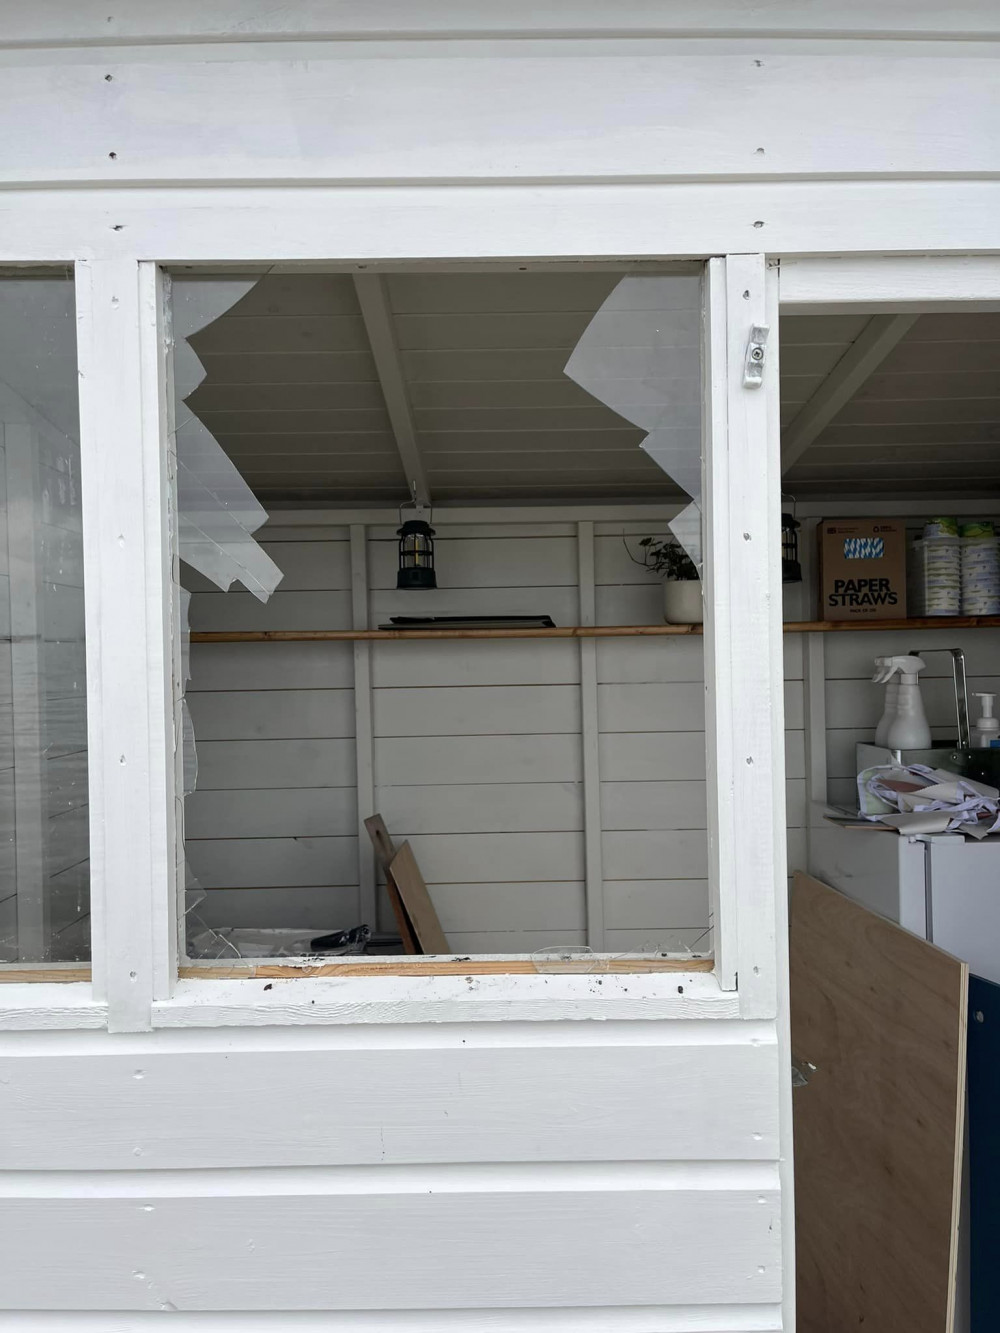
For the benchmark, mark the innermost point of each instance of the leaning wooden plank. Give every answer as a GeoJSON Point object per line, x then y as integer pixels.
{"type": "Point", "coordinates": [417, 901]}
{"type": "Point", "coordinates": [881, 1015]}
{"type": "Point", "coordinates": [385, 850]}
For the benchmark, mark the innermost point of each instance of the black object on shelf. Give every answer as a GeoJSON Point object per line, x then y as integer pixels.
{"type": "Point", "coordinates": [470, 622]}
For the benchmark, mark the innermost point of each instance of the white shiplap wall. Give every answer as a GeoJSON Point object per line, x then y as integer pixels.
{"type": "Point", "coordinates": [477, 746]}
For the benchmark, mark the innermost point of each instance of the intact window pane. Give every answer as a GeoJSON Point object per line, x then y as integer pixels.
{"type": "Point", "coordinates": [44, 838]}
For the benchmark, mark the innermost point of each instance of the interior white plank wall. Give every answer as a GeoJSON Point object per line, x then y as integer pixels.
{"type": "Point", "coordinates": [477, 746]}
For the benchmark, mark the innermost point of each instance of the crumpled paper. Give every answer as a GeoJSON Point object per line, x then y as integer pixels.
{"type": "Point", "coordinates": [915, 798]}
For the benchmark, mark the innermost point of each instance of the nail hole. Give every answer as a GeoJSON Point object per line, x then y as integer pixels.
{"type": "Point", "coordinates": [759, 152]}
{"type": "Point", "coordinates": [113, 156]}
{"type": "Point", "coordinates": [758, 225]}
{"type": "Point", "coordinates": [108, 78]}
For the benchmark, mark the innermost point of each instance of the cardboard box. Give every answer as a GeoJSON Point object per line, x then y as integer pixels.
{"type": "Point", "coordinates": [862, 565]}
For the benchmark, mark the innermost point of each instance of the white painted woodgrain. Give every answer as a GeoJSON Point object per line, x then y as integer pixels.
{"type": "Point", "coordinates": [294, 714]}
{"type": "Point", "coordinates": [680, 1233]}
{"type": "Point", "coordinates": [672, 707]}
{"type": "Point", "coordinates": [465, 1102]}
{"type": "Point", "coordinates": [645, 904]}
{"type": "Point", "coordinates": [482, 808]}
{"type": "Point", "coordinates": [237, 863]}
{"type": "Point", "coordinates": [463, 759]}
{"type": "Point", "coordinates": [561, 115]}
{"type": "Point", "coordinates": [272, 813]}
{"type": "Point", "coordinates": [236, 610]}
{"type": "Point", "coordinates": [658, 853]}
{"type": "Point", "coordinates": [317, 907]}
{"type": "Point", "coordinates": [270, 666]}
{"type": "Point", "coordinates": [528, 914]}
{"type": "Point", "coordinates": [238, 765]}
{"type": "Point", "coordinates": [487, 560]}
{"type": "Point", "coordinates": [535, 710]}
{"type": "Point", "coordinates": [413, 1001]}
{"type": "Point", "coordinates": [467, 857]}
{"type": "Point", "coordinates": [127, 571]}
{"type": "Point", "coordinates": [756, 1318]}
{"type": "Point", "coordinates": [468, 662]}
{"type": "Point", "coordinates": [801, 216]}
{"type": "Point", "coordinates": [241, 21]}
{"type": "Point", "coordinates": [893, 282]}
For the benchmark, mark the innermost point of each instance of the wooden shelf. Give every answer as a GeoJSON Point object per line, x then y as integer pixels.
{"type": "Point", "coordinates": [578, 631]}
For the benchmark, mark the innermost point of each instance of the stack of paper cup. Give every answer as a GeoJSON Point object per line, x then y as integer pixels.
{"type": "Point", "coordinates": [941, 573]}
{"type": "Point", "coordinates": [980, 570]}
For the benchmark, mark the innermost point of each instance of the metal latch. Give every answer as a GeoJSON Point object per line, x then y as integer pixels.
{"type": "Point", "coordinates": [802, 1072]}
{"type": "Point", "coordinates": [753, 367]}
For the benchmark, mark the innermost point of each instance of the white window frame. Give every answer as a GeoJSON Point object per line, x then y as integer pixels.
{"type": "Point", "coordinates": [124, 416]}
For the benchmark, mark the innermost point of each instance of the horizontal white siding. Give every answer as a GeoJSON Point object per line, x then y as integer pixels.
{"type": "Point", "coordinates": [189, 1179]}
{"type": "Point", "coordinates": [477, 747]}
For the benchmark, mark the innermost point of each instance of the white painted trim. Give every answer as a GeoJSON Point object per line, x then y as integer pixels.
{"type": "Point", "coordinates": [753, 661]}
{"type": "Point", "coordinates": [376, 312]}
{"type": "Point", "coordinates": [363, 729]}
{"type": "Point", "coordinates": [900, 282]}
{"type": "Point", "coordinates": [718, 636]}
{"type": "Point", "coordinates": [356, 225]}
{"type": "Point", "coordinates": [871, 347]}
{"type": "Point", "coordinates": [553, 998]}
{"type": "Point", "coordinates": [590, 740]}
{"type": "Point", "coordinates": [779, 894]}
{"type": "Point", "coordinates": [127, 580]}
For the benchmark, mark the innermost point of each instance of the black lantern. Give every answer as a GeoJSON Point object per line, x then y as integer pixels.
{"type": "Point", "coordinates": [416, 555]}
{"type": "Point", "coordinates": [791, 570]}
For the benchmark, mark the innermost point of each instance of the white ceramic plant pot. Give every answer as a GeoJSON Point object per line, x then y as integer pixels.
{"type": "Point", "coordinates": [682, 604]}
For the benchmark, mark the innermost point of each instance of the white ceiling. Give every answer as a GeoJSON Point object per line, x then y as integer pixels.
{"type": "Point", "coordinates": [293, 395]}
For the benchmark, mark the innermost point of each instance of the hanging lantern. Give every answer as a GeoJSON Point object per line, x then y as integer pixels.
{"type": "Point", "coordinates": [791, 570]}
{"type": "Point", "coordinates": [416, 555]}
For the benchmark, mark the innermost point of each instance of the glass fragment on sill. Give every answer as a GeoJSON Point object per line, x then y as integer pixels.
{"type": "Point", "coordinates": [641, 356]}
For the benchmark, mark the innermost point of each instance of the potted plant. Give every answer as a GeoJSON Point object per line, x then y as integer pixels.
{"type": "Point", "coordinates": [682, 603]}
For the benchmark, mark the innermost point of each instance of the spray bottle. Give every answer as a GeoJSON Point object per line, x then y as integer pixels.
{"type": "Point", "coordinates": [904, 723]}
{"type": "Point", "coordinates": [986, 732]}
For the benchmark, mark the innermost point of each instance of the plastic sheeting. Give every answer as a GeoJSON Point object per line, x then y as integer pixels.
{"type": "Point", "coordinates": [641, 355]}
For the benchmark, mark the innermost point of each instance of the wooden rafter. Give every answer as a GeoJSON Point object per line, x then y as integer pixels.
{"type": "Point", "coordinates": [876, 340]}
{"type": "Point", "coordinates": [377, 315]}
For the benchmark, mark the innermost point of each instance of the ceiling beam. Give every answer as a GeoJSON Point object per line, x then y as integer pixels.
{"type": "Point", "coordinates": [872, 345]}
{"type": "Point", "coordinates": [373, 298]}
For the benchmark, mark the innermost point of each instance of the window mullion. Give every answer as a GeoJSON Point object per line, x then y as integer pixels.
{"type": "Point", "coordinates": [126, 564]}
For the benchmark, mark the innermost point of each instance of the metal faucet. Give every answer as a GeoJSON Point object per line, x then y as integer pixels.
{"type": "Point", "coordinates": [961, 691]}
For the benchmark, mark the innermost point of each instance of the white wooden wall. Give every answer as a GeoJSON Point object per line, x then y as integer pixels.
{"type": "Point", "coordinates": [477, 747]}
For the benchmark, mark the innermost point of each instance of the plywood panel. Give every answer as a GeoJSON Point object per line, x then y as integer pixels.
{"type": "Point", "coordinates": [467, 1101]}
{"type": "Point", "coordinates": [464, 858]}
{"type": "Point", "coordinates": [878, 1128]}
{"type": "Point", "coordinates": [286, 610]}
{"type": "Point", "coordinates": [317, 907]}
{"type": "Point", "coordinates": [680, 1243]}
